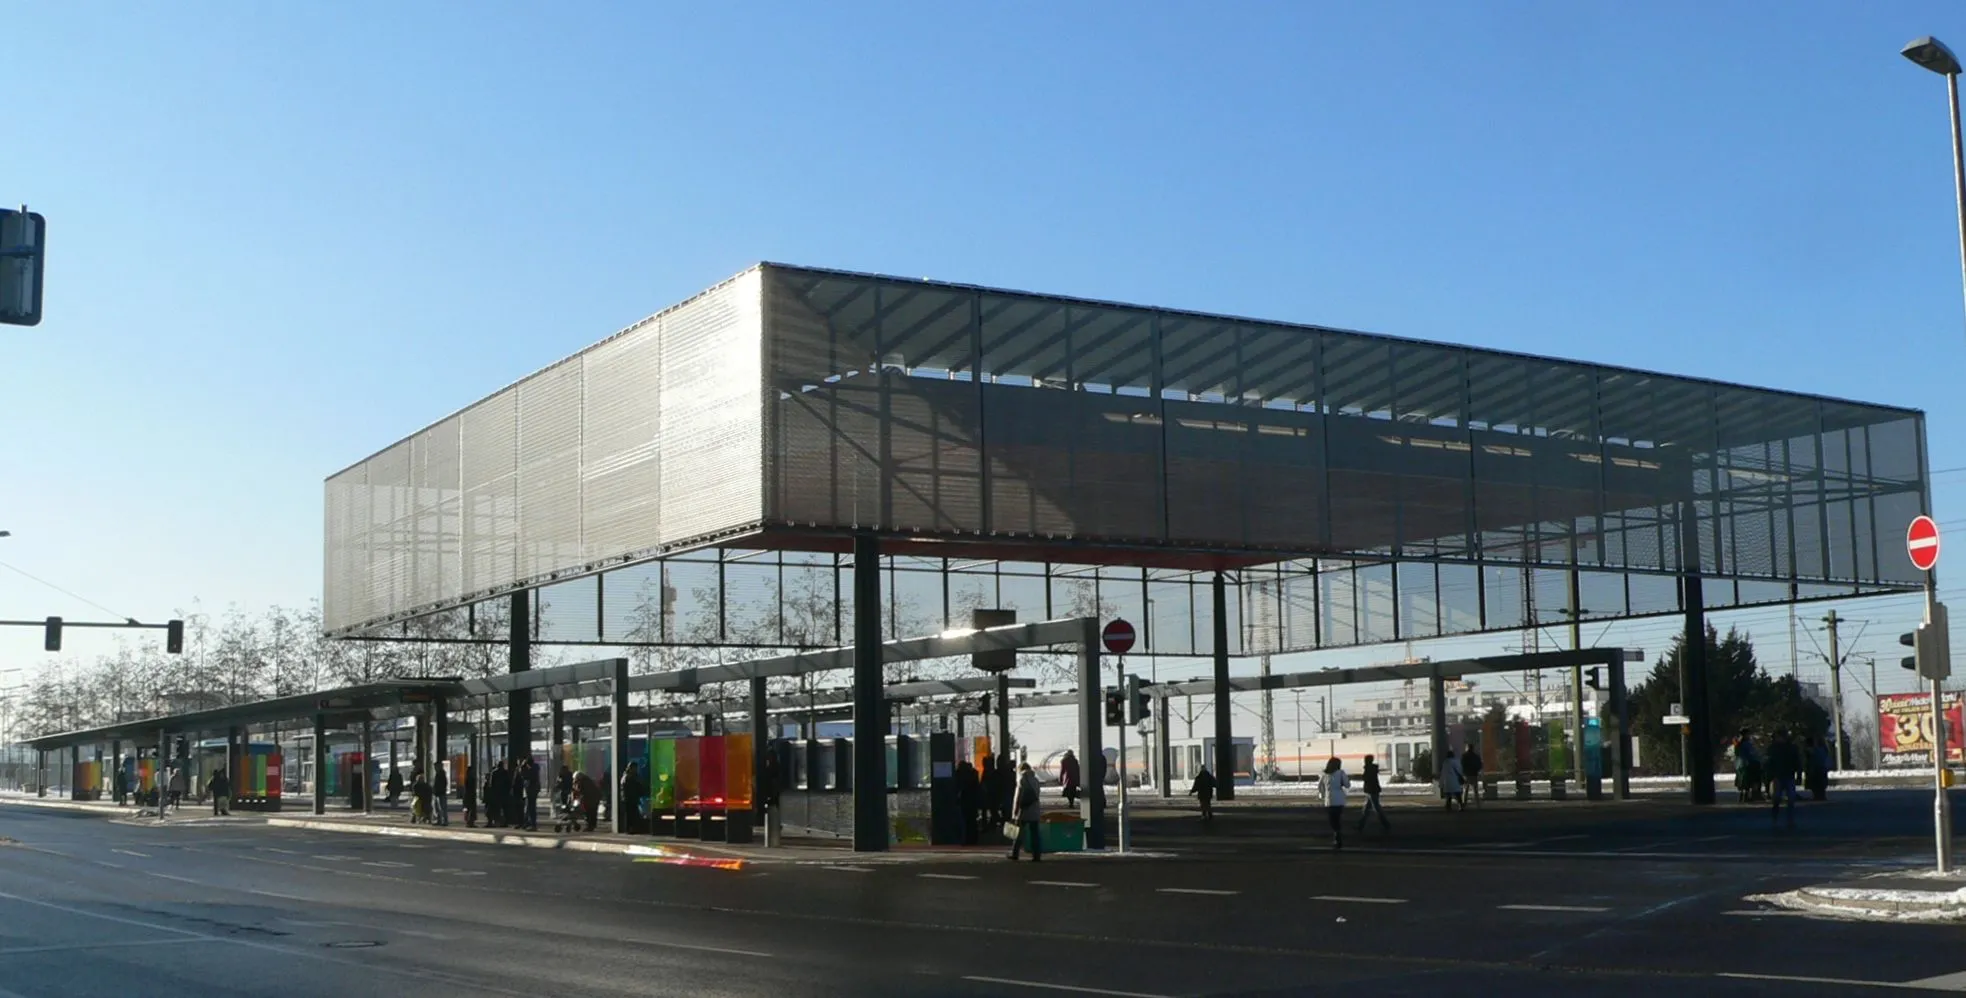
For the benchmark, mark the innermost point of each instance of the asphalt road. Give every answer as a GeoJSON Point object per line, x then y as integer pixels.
{"type": "Point", "coordinates": [90, 906]}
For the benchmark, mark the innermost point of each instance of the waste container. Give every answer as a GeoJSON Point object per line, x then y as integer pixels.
{"type": "Point", "coordinates": [1062, 831]}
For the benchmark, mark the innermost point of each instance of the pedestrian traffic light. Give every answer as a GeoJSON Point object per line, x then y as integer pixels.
{"type": "Point", "coordinates": [174, 637]}
{"type": "Point", "coordinates": [51, 641]}
{"type": "Point", "coordinates": [1136, 701]}
{"type": "Point", "coordinates": [986, 705]}
{"type": "Point", "coordinates": [1115, 708]}
{"type": "Point", "coordinates": [1594, 677]}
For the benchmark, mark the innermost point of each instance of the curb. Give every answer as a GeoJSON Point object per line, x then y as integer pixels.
{"type": "Point", "coordinates": [1944, 907]}
{"type": "Point", "coordinates": [482, 838]}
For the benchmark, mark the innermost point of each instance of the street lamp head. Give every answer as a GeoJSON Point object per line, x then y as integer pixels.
{"type": "Point", "coordinates": [1933, 55]}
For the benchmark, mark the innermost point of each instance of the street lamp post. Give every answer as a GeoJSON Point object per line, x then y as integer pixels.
{"type": "Point", "coordinates": [1933, 54]}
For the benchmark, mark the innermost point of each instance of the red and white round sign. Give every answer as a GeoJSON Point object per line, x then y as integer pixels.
{"type": "Point", "coordinates": [1922, 543]}
{"type": "Point", "coordinates": [1118, 637]}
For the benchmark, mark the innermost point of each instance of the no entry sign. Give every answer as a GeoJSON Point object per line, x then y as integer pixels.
{"type": "Point", "coordinates": [1922, 543]}
{"type": "Point", "coordinates": [1118, 637]}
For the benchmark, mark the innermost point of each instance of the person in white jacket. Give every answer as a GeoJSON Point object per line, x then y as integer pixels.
{"type": "Point", "coordinates": [1450, 779]}
{"type": "Point", "coordinates": [1332, 788]}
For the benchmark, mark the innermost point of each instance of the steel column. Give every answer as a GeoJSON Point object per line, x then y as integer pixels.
{"type": "Point", "coordinates": [617, 749]}
{"type": "Point", "coordinates": [1225, 741]}
{"type": "Point", "coordinates": [321, 763]}
{"type": "Point", "coordinates": [1693, 667]}
{"type": "Point", "coordinates": [518, 718]}
{"type": "Point", "coordinates": [1092, 729]}
{"type": "Point", "coordinates": [1163, 749]}
{"type": "Point", "coordinates": [760, 744]}
{"type": "Point", "coordinates": [1621, 740]}
{"type": "Point", "coordinates": [869, 705]}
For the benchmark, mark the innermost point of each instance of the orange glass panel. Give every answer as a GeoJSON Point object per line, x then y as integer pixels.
{"type": "Point", "coordinates": [737, 772]}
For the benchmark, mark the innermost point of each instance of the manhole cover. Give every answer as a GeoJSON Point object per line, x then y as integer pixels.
{"type": "Point", "coordinates": [354, 944]}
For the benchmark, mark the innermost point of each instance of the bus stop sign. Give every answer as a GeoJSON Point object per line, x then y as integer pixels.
{"type": "Point", "coordinates": [23, 240]}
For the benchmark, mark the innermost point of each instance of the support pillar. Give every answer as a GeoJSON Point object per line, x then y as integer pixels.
{"type": "Point", "coordinates": [1621, 738]}
{"type": "Point", "coordinates": [161, 782]}
{"type": "Point", "coordinates": [518, 717]}
{"type": "Point", "coordinates": [869, 705]}
{"type": "Point", "coordinates": [440, 741]}
{"type": "Point", "coordinates": [1092, 730]}
{"type": "Point", "coordinates": [1163, 749]}
{"type": "Point", "coordinates": [420, 746]}
{"type": "Point", "coordinates": [321, 763]}
{"type": "Point", "coordinates": [364, 780]}
{"type": "Point", "coordinates": [556, 713]}
{"type": "Point", "coordinates": [760, 744]}
{"type": "Point", "coordinates": [617, 749]}
{"type": "Point", "coordinates": [1693, 665]}
{"type": "Point", "coordinates": [1225, 728]}
{"type": "Point", "coordinates": [1003, 716]}
{"type": "Point", "coordinates": [116, 754]}
{"type": "Point", "coordinates": [1437, 719]}
{"type": "Point", "coordinates": [40, 773]}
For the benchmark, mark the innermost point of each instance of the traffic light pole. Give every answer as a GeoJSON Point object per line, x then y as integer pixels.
{"type": "Point", "coordinates": [1126, 835]}
{"type": "Point", "coordinates": [1941, 807]}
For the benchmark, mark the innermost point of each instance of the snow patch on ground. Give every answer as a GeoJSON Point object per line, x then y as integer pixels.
{"type": "Point", "coordinates": [1872, 905]}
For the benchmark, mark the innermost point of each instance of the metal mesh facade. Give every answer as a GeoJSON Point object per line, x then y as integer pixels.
{"type": "Point", "coordinates": [645, 442]}
{"type": "Point", "coordinates": [1358, 488]}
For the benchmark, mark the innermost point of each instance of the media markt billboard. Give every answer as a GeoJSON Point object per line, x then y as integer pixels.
{"type": "Point", "coordinates": [1904, 725]}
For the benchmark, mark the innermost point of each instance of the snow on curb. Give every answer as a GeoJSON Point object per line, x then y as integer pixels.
{"type": "Point", "coordinates": [1876, 905]}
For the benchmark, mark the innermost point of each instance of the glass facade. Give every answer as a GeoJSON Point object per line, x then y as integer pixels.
{"type": "Point", "coordinates": [1358, 488]}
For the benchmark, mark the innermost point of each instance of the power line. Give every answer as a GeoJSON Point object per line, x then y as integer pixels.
{"type": "Point", "coordinates": [65, 592]}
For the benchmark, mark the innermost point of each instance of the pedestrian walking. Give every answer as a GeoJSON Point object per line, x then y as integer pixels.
{"type": "Point", "coordinates": [180, 784]}
{"type": "Point", "coordinates": [1470, 777]}
{"type": "Point", "coordinates": [219, 787]}
{"type": "Point", "coordinates": [119, 784]}
{"type": "Point", "coordinates": [1203, 791]}
{"type": "Point", "coordinates": [1029, 810]}
{"type": "Point", "coordinates": [1747, 769]}
{"type": "Point", "coordinates": [530, 793]}
{"type": "Point", "coordinates": [1332, 788]}
{"type": "Point", "coordinates": [394, 785]}
{"type": "Point", "coordinates": [1816, 766]}
{"type": "Point", "coordinates": [498, 791]}
{"type": "Point", "coordinates": [420, 808]}
{"type": "Point", "coordinates": [1784, 764]}
{"type": "Point", "coordinates": [987, 788]}
{"type": "Point", "coordinates": [587, 798]}
{"type": "Point", "coordinates": [632, 792]}
{"type": "Point", "coordinates": [467, 790]}
{"type": "Point", "coordinates": [439, 793]}
{"type": "Point", "coordinates": [1451, 778]}
{"type": "Point", "coordinates": [969, 798]}
{"type": "Point", "coordinates": [1068, 777]}
{"type": "Point", "coordinates": [1372, 806]}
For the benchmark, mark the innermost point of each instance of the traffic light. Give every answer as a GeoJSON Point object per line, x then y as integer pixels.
{"type": "Point", "coordinates": [1909, 640]}
{"type": "Point", "coordinates": [1115, 708]}
{"type": "Point", "coordinates": [1136, 701]}
{"type": "Point", "coordinates": [51, 641]}
{"type": "Point", "coordinates": [1594, 677]}
{"type": "Point", "coordinates": [1930, 645]}
{"type": "Point", "coordinates": [174, 637]}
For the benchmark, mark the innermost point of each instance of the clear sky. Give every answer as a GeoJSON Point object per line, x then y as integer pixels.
{"type": "Point", "coordinates": [284, 235]}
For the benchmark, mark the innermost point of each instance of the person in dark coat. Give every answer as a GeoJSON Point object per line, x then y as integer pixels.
{"type": "Point", "coordinates": [1372, 806]}
{"type": "Point", "coordinates": [1784, 765]}
{"type": "Point", "coordinates": [119, 785]}
{"type": "Point", "coordinates": [969, 795]}
{"type": "Point", "coordinates": [1204, 791]}
{"type": "Point", "coordinates": [1068, 778]}
{"type": "Point", "coordinates": [467, 788]}
{"type": "Point", "coordinates": [440, 791]}
{"type": "Point", "coordinates": [1007, 787]}
{"type": "Point", "coordinates": [587, 797]}
{"type": "Point", "coordinates": [529, 792]}
{"type": "Point", "coordinates": [632, 792]}
{"type": "Point", "coordinates": [498, 791]}
{"type": "Point", "coordinates": [220, 789]}
{"type": "Point", "coordinates": [395, 787]}
{"type": "Point", "coordinates": [1815, 765]}
{"type": "Point", "coordinates": [987, 792]}
{"type": "Point", "coordinates": [563, 788]}
{"type": "Point", "coordinates": [1471, 778]}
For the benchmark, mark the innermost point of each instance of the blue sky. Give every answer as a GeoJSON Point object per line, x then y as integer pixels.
{"type": "Point", "coordinates": [281, 236]}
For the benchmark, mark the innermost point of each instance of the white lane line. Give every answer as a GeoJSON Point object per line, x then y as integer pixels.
{"type": "Point", "coordinates": [335, 858]}
{"type": "Point", "coordinates": [10, 951]}
{"type": "Point", "coordinates": [283, 852]}
{"type": "Point", "coordinates": [132, 852]}
{"type": "Point", "coordinates": [850, 869]}
{"type": "Point", "coordinates": [1195, 890]}
{"type": "Point", "coordinates": [423, 935]}
{"type": "Point", "coordinates": [277, 894]}
{"type": "Point", "coordinates": [167, 876]}
{"type": "Point", "coordinates": [1347, 899]}
{"type": "Point", "coordinates": [704, 949]}
{"type": "Point", "coordinates": [113, 866]}
{"type": "Point", "coordinates": [946, 876]}
{"type": "Point", "coordinates": [1059, 987]}
{"type": "Point", "coordinates": [1843, 981]}
{"type": "Point", "coordinates": [1064, 883]}
{"type": "Point", "coordinates": [388, 863]}
{"type": "Point", "coordinates": [1550, 907]}
{"type": "Point", "coordinates": [455, 872]}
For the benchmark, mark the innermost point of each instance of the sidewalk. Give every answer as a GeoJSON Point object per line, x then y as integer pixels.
{"type": "Point", "coordinates": [1883, 897]}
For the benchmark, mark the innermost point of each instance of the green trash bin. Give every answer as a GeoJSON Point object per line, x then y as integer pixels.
{"type": "Point", "coordinates": [1062, 831]}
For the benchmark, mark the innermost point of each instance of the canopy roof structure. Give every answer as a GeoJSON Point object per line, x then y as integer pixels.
{"type": "Point", "coordinates": [696, 478]}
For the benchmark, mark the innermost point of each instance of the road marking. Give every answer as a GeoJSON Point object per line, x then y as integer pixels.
{"type": "Point", "coordinates": [850, 869]}
{"type": "Point", "coordinates": [167, 876]}
{"type": "Point", "coordinates": [389, 863]}
{"type": "Point", "coordinates": [1059, 987]}
{"type": "Point", "coordinates": [946, 876]}
{"type": "Point", "coordinates": [1196, 890]}
{"type": "Point", "coordinates": [1771, 913]}
{"type": "Point", "coordinates": [1347, 899]}
{"type": "Point", "coordinates": [336, 858]}
{"type": "Point", "coordinates": [1550, 907]}
{"type": "Point", "coordinates": [1844, 981]}
{"type": "Point", "coordinates": [455, 872]}
{"type": "Point", "coordinates": [1065, 883]}
{"type": "Point", "coordinates": [704, 949]}
{"type": "Point", "coordinates": [423, 935]}
{"type": "Point", "coordinates": [277, 894]}
{"type": "Point", "coordinates": [113, 866]}
{"type": "Point", "coordinates": [10, 951]}
{"type": "Point", "coordinates": [283, 852]}
{"type": "Point", "coordinates": [132, 852]}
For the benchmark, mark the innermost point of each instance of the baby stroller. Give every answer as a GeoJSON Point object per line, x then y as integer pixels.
{"type": "Point", "coordinates": [566, 814]}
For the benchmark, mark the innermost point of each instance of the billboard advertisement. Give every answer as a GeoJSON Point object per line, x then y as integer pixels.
{"type": "Point", "coordinates": [1904, 725]}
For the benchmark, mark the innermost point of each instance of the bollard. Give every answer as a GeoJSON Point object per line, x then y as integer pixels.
{"type": "Point", "coordinates": [1522, 791]}
{"type": "Point", "coordinates": [1558, 790]}
{"type": "Point", "coordinates": [1491, 788]}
